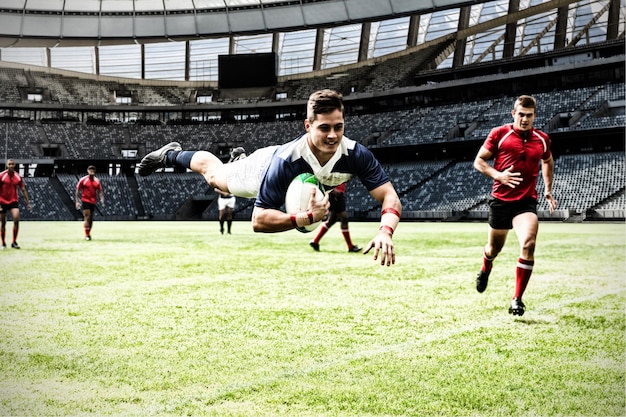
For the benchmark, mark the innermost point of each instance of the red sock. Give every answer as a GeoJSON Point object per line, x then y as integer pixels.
{"type": "Point", "coordinates": [346, 236]}
{"type": "Point", "coordinates": [487, 262]}
{"type": "Point", "coordinates": [15, 230]}
{"type": "Point", "coordinates": [522, 276]}
{"type": "Point", "coordinates": [321, 233]}
{"type": "Point", "coordinates": [87, 231]}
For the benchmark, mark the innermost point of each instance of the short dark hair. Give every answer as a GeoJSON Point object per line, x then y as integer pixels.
{"type": "Point", "coordinates": [526, 101]}
{"type": "Point", "coordinates": [90, 167]}
{"type": "Point", "coordinates": [322, 102]}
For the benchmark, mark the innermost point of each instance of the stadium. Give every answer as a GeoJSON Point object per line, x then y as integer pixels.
{"type": "Point", "coordinates": [103, 82]}
{"type": "Point", "coordinates": [424, 108]}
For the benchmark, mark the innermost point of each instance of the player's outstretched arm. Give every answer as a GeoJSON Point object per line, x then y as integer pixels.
{"type": "Point", "coordinates": [382, 243]}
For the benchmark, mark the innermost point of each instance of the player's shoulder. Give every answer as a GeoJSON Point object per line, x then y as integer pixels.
{"type": "Point", "coordinates": [354, 149]}
{"type": "Point", "coordinates": [291, 150]}
{"type": "Point", "coordinates": [541, 133]}
{"type": "Point", "coordinates": [352, 145]}
{"type": "Point", "coordinates": [499, 131]}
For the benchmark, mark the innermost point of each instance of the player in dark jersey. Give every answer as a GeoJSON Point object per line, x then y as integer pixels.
{"type": "Point", "coordinates": [88, 189]}
{"type": "Point", "coordinates": [10, 181]}
{"type": "Point", "coordinates": [518, 150]}
{"type": "Point", "coordinates": [336, 212]}
{"type": "Point", "coordinates": [266, 173]}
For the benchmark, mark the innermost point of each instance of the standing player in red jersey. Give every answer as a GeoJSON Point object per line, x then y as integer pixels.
{"type": "Point", "coordinates": [336, 211]}
{"type": "Point", "coordinates": [91, 188]}
{"type": "Point", "coordinates": [10, 181]}
{"type": "Point", "coordinates": [518, 149]}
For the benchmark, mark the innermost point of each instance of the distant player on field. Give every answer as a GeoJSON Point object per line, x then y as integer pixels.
{"type": "Point", "coordinates": [336, 211]}
{"type": "Point", "coordinates": [10, 181]}
{"type": "Point", "coordinates": [226, 201]}
{"type": "Point", "coordinates": [267, 173]}
{"type": "Point", "coordinates": [88, 189]}
{"type": "Point", "coordinates": [517, 149]}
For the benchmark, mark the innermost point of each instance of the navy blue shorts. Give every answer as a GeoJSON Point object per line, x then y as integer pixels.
{"type": "Point", "coordinates": [502, 213]}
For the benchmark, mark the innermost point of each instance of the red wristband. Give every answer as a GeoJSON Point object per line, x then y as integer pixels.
{"type": "Point", "coordinates": [390, 210]}
{"type": "Point", "coordinates": [309, 213]}
{"type": "Point", "coordinates": [387, 229]}
{"type": "Point", "coordinates": [293, 220]}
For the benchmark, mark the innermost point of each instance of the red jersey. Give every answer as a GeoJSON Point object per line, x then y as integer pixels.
{"type": "Point", "coordinates": [341, 188]}
{"type": "Point", "coordinates": [509, 148]}
{"type": "Point", "coordinates": [89, 187]}
{"type": "Point", "coordinates": [9, 183]}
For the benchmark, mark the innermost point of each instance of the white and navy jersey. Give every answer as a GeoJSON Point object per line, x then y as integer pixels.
{"type": "Point", "coordinates": [294, 158]}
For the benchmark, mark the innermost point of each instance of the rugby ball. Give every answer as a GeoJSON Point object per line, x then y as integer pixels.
{"type": "Point", "coordinates": [299, 194]}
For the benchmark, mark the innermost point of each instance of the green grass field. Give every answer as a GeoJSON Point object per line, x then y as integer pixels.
{"type": "Point", "coordinates": [172, 318]}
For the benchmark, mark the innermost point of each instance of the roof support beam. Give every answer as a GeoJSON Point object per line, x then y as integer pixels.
{"type": "Point", "coordinates": [490, 51]}
{"type": "Point", "coordinates": [499, 21]}
{"type": "Point", "coordinates": [585, 31]}
{"type": "Point", "coordinates": [537, 39]}
{"type": "Point", "coordinates": [96, 52]}
{"type": "Point", "coordinates": [560, 33]}
{"type": "Point", "coordinates": [143, 60]}
{"type": "Point", "coordinates": [364, 42]}
{"type": "Point", "coordinates": [459, 50]}
{"type": "Point", "coordinates": [319, 46]}
{"type": "Point", "coordinates": [510, 31]}
{"type": "Point", "coordinates": [613, 22]}
{"type": "Point", "coordinates": [414, 27]}
{"type": "Point", "coordinates": [187, 59]}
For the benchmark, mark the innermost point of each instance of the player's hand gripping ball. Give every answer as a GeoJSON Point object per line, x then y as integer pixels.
{"type": "Point", "coordinates": [299, 195]}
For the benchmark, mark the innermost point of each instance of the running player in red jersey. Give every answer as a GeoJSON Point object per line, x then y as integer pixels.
{"type": "Point", "coordinates": [336, 211]}
{"type": "Point", "coordinates": [91, 188]}
{"type": "Point", "coordinates": [10, 181]}
{"type": "Point", "coordinates": [517, 149]}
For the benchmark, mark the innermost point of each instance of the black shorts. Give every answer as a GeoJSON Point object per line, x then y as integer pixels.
{"type": "Point", "coordinates": [88, 206]}
{"type": "Point", "coordinates": [502, 213]}
{"type": "Point", "coordinates": [337, 202]}
{"type": "Point", "coordinates": [5, 208]}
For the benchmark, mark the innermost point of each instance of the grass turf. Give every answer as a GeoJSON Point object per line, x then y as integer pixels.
{"type": "Point", "coordinates": [172, 318]}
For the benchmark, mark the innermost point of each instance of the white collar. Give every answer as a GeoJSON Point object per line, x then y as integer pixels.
{"type": "Point", "coordinates": [303, 151]}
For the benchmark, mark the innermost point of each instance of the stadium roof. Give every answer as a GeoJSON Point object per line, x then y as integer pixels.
{"type": "Point", "coordinates": [182, 39]}
{"type": "Point", "coordinates": [106, 22]}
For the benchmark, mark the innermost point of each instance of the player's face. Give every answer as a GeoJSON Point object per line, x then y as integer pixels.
{"type": "Point", "coordinates": [11, 165]}
{"type": "Point", "coordinates": [325, 134]}
{"type": "Point", "coordinates": [523, 118]}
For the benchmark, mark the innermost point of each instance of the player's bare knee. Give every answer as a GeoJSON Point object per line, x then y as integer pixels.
{"type": "Point", "coordinates": [211, 180]}
{"type": "Point", "coordinates": [491, 250]}
{"type": "Point", "coordinates": [528, 248]}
